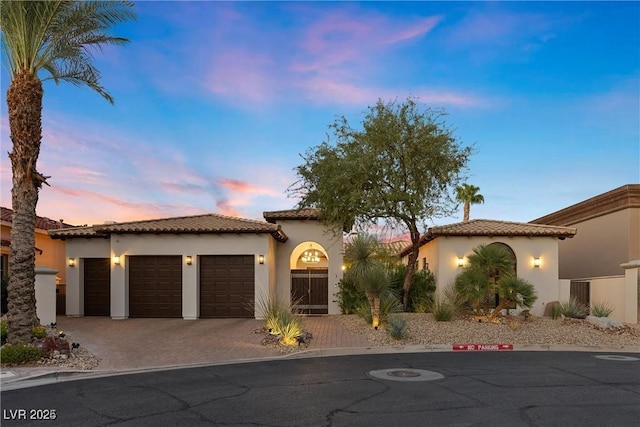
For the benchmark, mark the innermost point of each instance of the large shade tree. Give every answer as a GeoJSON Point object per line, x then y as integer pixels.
{"type": "Point", "coordinates": [401, 167]}
{"type": "Point", "coordinates": [468, 195]}
{"type": "Point", "coordinates": [43, 40]}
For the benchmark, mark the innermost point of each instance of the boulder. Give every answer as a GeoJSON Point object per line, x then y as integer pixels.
{"type": "Point", "coordinates": [605, 322]}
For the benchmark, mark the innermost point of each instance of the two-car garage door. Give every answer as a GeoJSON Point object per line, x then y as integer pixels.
{"type": "Point", "coordinates": [226, 284]}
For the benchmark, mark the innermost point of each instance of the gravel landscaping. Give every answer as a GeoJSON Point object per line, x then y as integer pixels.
{"type": "Point", "coordinates": [425, 330]}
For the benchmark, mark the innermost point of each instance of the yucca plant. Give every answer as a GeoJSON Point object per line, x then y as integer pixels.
{"type": "Point", "coordinates": [601, 309]}
{"type": "Point", "coordinates": [573, 309]}
{"type": "Point", "coordinates": [443, 309]}
{"type": "Point", "coordinates": [397, 327]}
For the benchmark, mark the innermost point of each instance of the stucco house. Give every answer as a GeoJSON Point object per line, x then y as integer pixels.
{"type": "Point", "coordinates": [444, 251]}
{"type": "Point", "coordinates": [601, 262]}
{"type": "Point", "coordinates": [49, 252]}
{"type": "Point", "coordinates": [202, 266]}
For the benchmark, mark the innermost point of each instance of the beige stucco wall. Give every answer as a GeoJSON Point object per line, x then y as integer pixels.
{"type": "Point", "coordinates": [444, 251]}
{"type": "Point", "coordinates": [601, 245]}
{"type": "Point", "coordinates": [609, 290]}
{"type": "Point", "coordinates": [301, 234]}
{"type": "Point", "coordinates": [53, 251]}
{"type": "Point", "coordinates": [79, 249]}
{"type": "Point", "coordinates": [193, 245]}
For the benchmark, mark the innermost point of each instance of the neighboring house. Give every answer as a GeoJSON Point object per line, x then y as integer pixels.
{"type": "Point", "coordinates": [608, 236]}
{"type": "Point", "coordinates": [202, 266]}
{"type": "Point", "coordinates": [50, 253]}
{"type": "Point", "coordinates": [534, 248]}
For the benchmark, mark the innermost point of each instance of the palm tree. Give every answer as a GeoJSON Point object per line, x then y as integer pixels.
{"type": "Point", "coordinates": [56, 38]}
{"type": "Point", "coordinates": [479, 281]}
{"type": "Point", "coordinates": [367, 272]}
{"type": "Point", "coordinates": [468, 194]}
{"type": "Point", "coordinates": [513, 289]}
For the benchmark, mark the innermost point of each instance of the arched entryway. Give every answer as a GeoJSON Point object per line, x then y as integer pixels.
{"type": "Point", "coordinates": [309, 266]}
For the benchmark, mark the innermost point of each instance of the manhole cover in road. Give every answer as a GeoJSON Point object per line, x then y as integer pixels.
{"type": "Point", "coordinates": [399, 374]}
{"type": "Point", "coordinates": [617, 358]}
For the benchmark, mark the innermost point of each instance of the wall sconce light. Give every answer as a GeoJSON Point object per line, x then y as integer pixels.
{"type": "Point", "coordinates": [72, 262]}
{"type": "Point", "coordinates": [189, 259]}
{"type": "Point", "coordinates": [344, 267]}
{"type": "Point", "coordinates": [460, 261]}
{"type": "Point", "coordinates": [116, 260]}
{"type": "Point", "coordinates": [536, 262]}
{"type": "Point", "coordinates": [261, 259]}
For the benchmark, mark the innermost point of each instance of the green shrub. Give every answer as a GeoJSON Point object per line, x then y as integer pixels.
{"type": "Point", "coordinates": [573, 309]}
{"type": "Point", "coordinates": [3, 331]}
{"type": "Point", "coordinates": [349, 296]}
{"type": "Point", "coordinates": [39, 332]}
{"type": "Point", "coordinates": [17, 354]}
{"type": "Point", "coordinates": [397, 327]}
{"type": "Point", "coordinates": [601, 309]}
{"type": "Point", "coordinates": [423, 285]}
{"type": "Point", "coordinates": [443, 309]}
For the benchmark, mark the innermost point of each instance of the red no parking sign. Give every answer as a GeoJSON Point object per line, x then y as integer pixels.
{"type": "Point", "coordinates": [482, 347]}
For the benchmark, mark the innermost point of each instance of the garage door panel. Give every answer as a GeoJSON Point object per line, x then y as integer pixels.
{"type": "Point", "coordinates": [226, 285]}
{"type": "Point", "coordinates": [97, 286]}
{"type": "Point", "coordinates": [155, 286]}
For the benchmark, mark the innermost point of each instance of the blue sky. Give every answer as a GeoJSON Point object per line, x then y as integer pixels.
{"type": "Point", "coordinates": [216, 101]}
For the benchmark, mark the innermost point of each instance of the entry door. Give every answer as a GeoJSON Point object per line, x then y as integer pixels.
{"type": "Point", "coordinates": [310, 290]}
{"type": "Point", "coordinates": [97, 287]}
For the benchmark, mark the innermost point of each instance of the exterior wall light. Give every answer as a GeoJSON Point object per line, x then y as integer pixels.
{"type": "Point", "coordinates": [460, 261]}
{"type": "Point", "coordinates": [72, 262]}
{"type": "Point", "coordinates": [536, 262]}
{"type": "Point", "coordinates": [261, 259]}
{"type": "Point", "coordinates": [189, 260]}
{"type": "Point", "coordinates": [116, 260]}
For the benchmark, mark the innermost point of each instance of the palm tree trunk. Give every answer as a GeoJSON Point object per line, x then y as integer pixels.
{"type": "Point", "coordinates": [467, 209]}
{"type": "Point", "coordinates": [24, 100]}
{"type": "Point", "coordinates": [411, 267]}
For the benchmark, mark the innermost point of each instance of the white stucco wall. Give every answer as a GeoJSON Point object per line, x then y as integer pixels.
{"type": "Point", "coordinates": [444, 251]}
{"type": "Point", "coordinates": [79, 249]}
{"type": "Point", "coordinates": [194, 245]}
{"type": "Point", "coordinates": [300, 234]}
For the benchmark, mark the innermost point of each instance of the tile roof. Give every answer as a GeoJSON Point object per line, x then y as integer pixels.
{"type": "Point", "coordinates": [86, 231]}
{"type": "Point", "coordinates": [42, 223]}
{"type": "Point", "coordinates": [487, 227]}
{"type": "Point", "coordinates": [209, 223]}
{"type": "Point", "coordinates": [301, 214]}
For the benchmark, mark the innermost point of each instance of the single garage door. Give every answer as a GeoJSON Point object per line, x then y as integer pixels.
{"type": "Point", "coordinates": [155, 286]}
{"type": "Point", "coordinates": [97, 280]}
{"type": "Point", "coordinates": [226, 285]}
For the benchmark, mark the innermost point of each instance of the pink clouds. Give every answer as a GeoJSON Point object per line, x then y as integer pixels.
{"type": "Point", "coordinates": [243, 74]}
{"type": "Point", "coordinates": [335, 56]}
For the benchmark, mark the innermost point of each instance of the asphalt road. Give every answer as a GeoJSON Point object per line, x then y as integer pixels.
{"type": "Point", "coordinates": [477, 388]}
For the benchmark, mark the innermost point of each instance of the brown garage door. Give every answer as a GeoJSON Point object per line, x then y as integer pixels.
{"type": "Point", "coordinates": [155, 286]}
{"type": "Point", "coordinates": [97, 295]}
{"type": "Point", "coordinates": [226, 285]}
